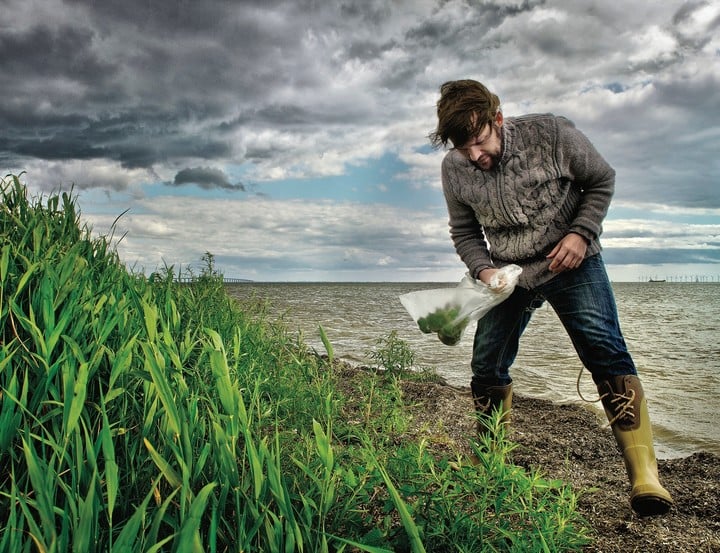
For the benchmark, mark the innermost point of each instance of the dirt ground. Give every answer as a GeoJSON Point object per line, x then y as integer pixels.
{"type": "Point", "coordinates": [569, 442]}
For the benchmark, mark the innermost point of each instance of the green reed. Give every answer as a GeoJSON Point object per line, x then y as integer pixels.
{"type": "Point", "coordinates": [140, 414]}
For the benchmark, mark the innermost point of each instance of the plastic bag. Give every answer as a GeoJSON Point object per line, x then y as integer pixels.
{"type": "Point", "coordinates": [448, 311]}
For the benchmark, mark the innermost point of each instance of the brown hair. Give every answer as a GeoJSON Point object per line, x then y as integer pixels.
{"type": "Point", "coordinates": [463, 109]}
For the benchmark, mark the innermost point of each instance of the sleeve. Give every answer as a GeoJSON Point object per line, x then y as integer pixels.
{"type": "Point", "coordinates": [594, 177]}
{"type": "Point", "coordinates": [465, 231]}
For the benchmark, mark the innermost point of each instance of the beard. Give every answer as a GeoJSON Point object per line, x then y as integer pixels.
{"type": "Point", "coordinates": [486, 162]}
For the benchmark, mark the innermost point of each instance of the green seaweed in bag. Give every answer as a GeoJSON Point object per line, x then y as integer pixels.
{"type": "Point", "coordinates": [448, 311]}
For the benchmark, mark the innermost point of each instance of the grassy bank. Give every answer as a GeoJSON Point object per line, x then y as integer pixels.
{"type": "Point", "coordinates": [139, 414]}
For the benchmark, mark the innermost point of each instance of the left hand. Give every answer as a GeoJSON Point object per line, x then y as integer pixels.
{"type": "Point", "coordinates": [568, 254]}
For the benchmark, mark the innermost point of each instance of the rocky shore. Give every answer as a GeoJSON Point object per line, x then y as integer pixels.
{"type": "Point", "coordinates": [570, 442]}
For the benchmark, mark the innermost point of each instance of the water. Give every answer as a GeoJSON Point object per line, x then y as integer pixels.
{"type": "Point", "coordinates": [672, 331]}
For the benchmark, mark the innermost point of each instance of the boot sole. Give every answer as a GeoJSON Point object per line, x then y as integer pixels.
{"type": "Point", "coordinates": [650, 506]}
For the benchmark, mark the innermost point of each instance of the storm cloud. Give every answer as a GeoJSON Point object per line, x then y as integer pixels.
{"type": "Point", "coordinates": [205, 177]}
{"type": "Point", "coordinates": [288, 100]}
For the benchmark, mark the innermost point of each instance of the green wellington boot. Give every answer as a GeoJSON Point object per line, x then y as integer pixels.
{"type": "Point", "coordinates": [489, 399]}
{"type": "Point", "coordinates": [626, 409]}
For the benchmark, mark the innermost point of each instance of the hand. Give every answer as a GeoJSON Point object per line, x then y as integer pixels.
{"type": "Point", "coordinates": [493, 279]}
{"type": "Point", "coordinates": [568, 254]}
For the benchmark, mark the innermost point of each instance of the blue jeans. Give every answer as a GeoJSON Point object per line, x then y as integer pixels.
{"type": "Point", "coordinates": [583, 300]}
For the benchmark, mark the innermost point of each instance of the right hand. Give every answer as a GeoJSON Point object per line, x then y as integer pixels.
{"type": "Point", "coordinates": [496, 284]}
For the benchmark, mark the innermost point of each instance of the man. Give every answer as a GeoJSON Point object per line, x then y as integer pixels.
{"type": "Point", "coordinates": [533, 191]}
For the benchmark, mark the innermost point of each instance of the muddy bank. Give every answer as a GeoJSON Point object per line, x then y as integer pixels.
{"type": "Point", "coordinates": [571, 443]}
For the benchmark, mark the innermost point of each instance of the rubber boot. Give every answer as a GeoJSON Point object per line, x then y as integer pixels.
{"type": "Point", "coordinates": [487, 400]}
{"type": "Point", "coordinates": [626, 409]}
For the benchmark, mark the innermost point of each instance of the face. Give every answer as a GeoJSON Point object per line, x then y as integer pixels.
{"type": "Point", "coordinates": [484, 150]}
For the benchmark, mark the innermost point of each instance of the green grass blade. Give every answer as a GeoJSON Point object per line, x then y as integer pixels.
{"type": "Point", "coordinates": [4, 262]}
{"type": "Point", "coordinates": [155, 365]}
{"type": "Point", "coordinates": [112, 480]}
{"type": "Point", "coordinates": [361, 546]}
{"type": "Point", "coordinates": [167, 471]}
{"type": "Point", "coordinates": [25, 278]}
{"type": "Point", "coordinates": [405, 517]}
{"type": "Point", "coordinates": [125, 542]}
{"type": "Point", "coordinates": [84, 534]}
{"type": "Point", "coordinates": [151, 320]}
{"type": "Point", "coordinates": [326, 343]}
{"type": "Point", "coordinates": [226, 391]}
{"type": "Point", "coordinates": [42, 483]}
{"type": "Point", "coordinates": [189, 533]}
{"type": "Point", "coordinates": [79, 382]}
{"type": "Point", "coordinates": [160, 518]}
{"type": "Point", "coordinates": [9, 417]}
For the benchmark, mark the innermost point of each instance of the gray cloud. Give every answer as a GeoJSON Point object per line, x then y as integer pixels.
{"type": "Point", "coordinates": [119, 96]}
{"type": "Point", "coordinates": [65, 52]}
{"type": "Point", "coordinates": [207, 178]}
{"type": "Point", "coordinates": [160, 85]}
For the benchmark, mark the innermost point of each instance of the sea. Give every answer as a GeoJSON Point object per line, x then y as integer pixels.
{"type": "Point", "coordinates": [672, 330]}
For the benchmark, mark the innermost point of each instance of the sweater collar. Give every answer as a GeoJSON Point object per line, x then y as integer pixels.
{"type": "Point", "coordinates": [507, 139]}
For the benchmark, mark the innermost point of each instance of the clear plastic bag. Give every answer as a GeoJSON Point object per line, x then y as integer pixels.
{"type": "Point", "coordinates": [448, 311]}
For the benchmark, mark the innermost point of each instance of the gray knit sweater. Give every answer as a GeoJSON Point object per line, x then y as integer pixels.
{"type": "Point", "coordinates": [550, 180]}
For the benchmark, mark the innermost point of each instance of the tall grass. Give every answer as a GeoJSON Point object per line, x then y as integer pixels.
{"type": "Point", "coordinates": [146, 415]}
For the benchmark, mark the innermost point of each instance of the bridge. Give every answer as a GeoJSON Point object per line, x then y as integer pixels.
{"type": "Point", "coordinates": [226, 280]}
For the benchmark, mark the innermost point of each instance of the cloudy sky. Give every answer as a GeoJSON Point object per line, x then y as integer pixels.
{"type": "Point", "coordinates": [289, 137]}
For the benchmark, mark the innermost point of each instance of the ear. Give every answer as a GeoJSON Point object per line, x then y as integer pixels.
{"type": "Point", "coordinates": [499, 118]}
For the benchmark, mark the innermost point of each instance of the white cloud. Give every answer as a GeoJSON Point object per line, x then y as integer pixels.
{"type": "Point", "coordinates": [653, 44]}
{"type": "Point", "coordinates": [119, 97]}
{"type": "Point", "coordinates": [256, 233]}
{"type": "Point", "coordinates": [51, 176]}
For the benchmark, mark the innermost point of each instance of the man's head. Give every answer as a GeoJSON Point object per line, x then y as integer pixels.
{"type": "Point", "coordinates": [465, 107]}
